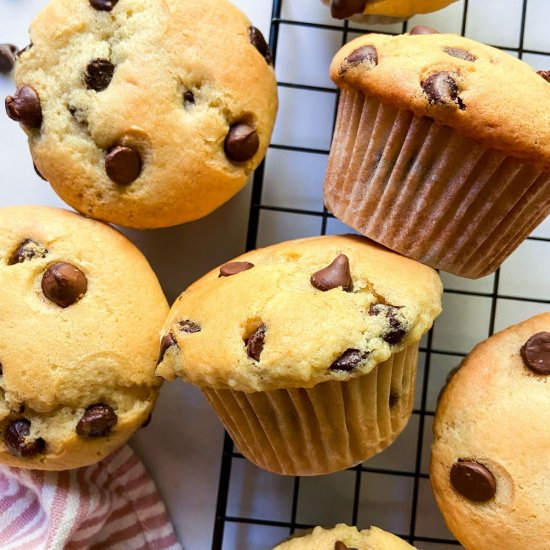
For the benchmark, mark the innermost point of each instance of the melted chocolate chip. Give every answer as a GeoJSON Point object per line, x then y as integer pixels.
{"type": "Point", "coordinates": [190, 327]}
{"type": "Point", "coordinates": [99, 73]}
{"type": "Point", "coordinates": [349, 360]}
{"type": "Point", "coordinates": [473, 480]}
{"type": "Point", "coordinates": [232, 268]}
{"type": "Point", "coordinates": [188, 98]}
{"type": "Point", "coordinates": [64, 284]}
{"type": "Point", "coordinates": [334, 275]}
{"type": "Point", "coordinates": [97, 421]}
{"type": "Point", "coordinates": [122, 164]}
{"type": "Point", "coordinates": [465, 55]}
{"type": "Point", "coordinates": [103, 5]}
{"type": "Point", "coordinates": [536, 353]}
{"type": "Point", "coordinates": [342, 9]}
{"type": "Point", "coordinates": [258, 41]}
{"type": "Point", "coordinates": [27, 250]}
{"type": "Point", "coordinates": [242, 142]}
{"type": "Point", "coordinates": [366, 55]}
{"type": "Point", "coordinates": [545, 75]}
{"type": "Point", "coordinates": [255, 343]}
{"type": "Point", "coordinates": [24, 107]}
{"type": "Point", "coordinates": [17, 441]}
{"type": "Point", "coordinates": [396, 330]}
{"type": "Point", "coordinates": [7, 58]}
{"type": "Point", "coordinates": [441, 88]}
{"type": "Point", "coordinates": [167, 342]}
{"type": "Point", "coordinates": [423, 29]}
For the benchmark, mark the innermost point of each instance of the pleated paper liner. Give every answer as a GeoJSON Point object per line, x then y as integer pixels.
{"type": "Point", "coordinates": [323, 429]}
{"type": "Point", "coordinates": [428, 193]}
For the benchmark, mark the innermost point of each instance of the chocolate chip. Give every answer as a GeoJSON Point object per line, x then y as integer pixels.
{"type": "Point", "coordinates": [441, 88]}
{"type": "Point", "coordinates": [38, 172]}
{"type": "Point", "coordinates": [232, 268]}
{"type": "Point", "coordinates": [97, 421]}
{"type": "Point", "coordinates": [25, 49]}
{"type": "Point", "coordinates": [189, 327]}
{"type": "Point", "coordinates": [103, 5]}
{"type": "Point", "coordinates": [536, 353]}
{"type": "Point", "coordinates": [255, 343]}
{"type": "Point", "coordinates": [188, 98]}
{"type": "Point", "coordinates": [341, 9]}
{"type": "Point", "coordinates": [99, 73]}
{"type": "Point", "coordinates": [366, 55]}
{"type": "Point", "coordinates": [545, 75]}
{"type": "Point", "coordinates": [473, 480]}
{"type": "Point", "coordinates": [396, 330]}
{"type": "Point", "coordinates": [27, 250]}
{"type": "Point", "coordinates": [465, 55]}
{"type": "Point", "coordinates": [242, 142]}
{"type": "Point", "coordinates": [64, 284]}
{"type": "Point", "coordinates": [7, 58]}
{"type": "Point", "coordinates": [349, 360]}
{"type": "Point", "coordinates": [17, 441]}
{"type": "Point", "coordinates": [24, 107]}
{"type": "Point", "coordinates": [423, 29]}
{"type": "Point", "coordinates": [122, 164]}
{"type": "Point", "coordinates": [334, 275]}
{"type": "Point", "coordinates": [167, 342]}
{"type": "Point", "coordinates": [258, 41]}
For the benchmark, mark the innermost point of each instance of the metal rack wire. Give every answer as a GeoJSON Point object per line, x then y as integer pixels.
{"type": "Point", "coordinates": [256, 208]}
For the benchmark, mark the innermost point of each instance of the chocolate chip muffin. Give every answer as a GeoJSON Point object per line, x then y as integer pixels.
{"type": "Point", "coordinates": [81, 312]}
{"type": "Point", "coordinates": [344, 537]}
{"type": "Point", "coordinates": [490, 456]}
{"type": "Point", "coordinates": [145, 113]}
{"type": "Point", "coordinates": [307, 349]}
{"type": "Point", "coordinates": [438, 154]}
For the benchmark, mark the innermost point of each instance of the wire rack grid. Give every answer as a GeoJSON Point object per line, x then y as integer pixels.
{"type": "Point", "coordinates": [519, 291]}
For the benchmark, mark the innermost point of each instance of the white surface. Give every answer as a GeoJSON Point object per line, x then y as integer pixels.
{"type": "Point", "coordinates": [182, 446]}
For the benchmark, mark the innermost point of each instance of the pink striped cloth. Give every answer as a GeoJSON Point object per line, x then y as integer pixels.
{"type": "Point", "coordinates": [113, 504]}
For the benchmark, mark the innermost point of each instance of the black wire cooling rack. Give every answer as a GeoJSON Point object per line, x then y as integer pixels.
{"type": "Point", "coordinates": [428, 351]}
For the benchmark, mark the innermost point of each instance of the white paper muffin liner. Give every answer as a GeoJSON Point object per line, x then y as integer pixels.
{"type": "Point", "coordinates": [427, 192]}
{"type": "Point", "coordinates": [323, 429]}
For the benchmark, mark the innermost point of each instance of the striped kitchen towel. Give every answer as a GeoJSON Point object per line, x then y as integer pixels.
{"type": "Point", "coordinates": [113, 504]}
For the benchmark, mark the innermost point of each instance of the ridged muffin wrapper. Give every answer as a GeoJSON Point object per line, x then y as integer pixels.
{"type": "Point", "coordinates": [427, 192]}
{"type": "Point", "coordinates": [323, 429]}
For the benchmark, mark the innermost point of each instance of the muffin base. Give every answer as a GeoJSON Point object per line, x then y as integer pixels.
{"type": "Point", "coordinates": [323, 429]}
{"type": "Point", "coordinates": [427, 192]}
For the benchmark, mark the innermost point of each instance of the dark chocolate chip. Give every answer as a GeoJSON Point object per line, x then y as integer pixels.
{"type": "Point", "coordinates": [27, 250]}
{"type": "Point", "coordinates": [122, 164]}
{"type": "Point", "coordinates": [24, 107]}
{"type": "Point", "coordinates": [189, 326]}
{"type": "Point", "coordinates": [25, 49]}
{"type": "Point", "coordinates": [473, 480]}
{"type": "Point", "coordinates": [17, 441]}
{"type": "Point", "coordinates": [423, 29]}
{"type": "Point", "coordinates": [341, 9]}
{"type": "Point", "coordinates": [536, 353]}
{"type": "Point", "coordinates": [188, 98]}
{"type": "Point", "coordinates": [441, 88]}
{"type": "Point", "coordinates": [7, 58]}
{"type": "Point", "coordinates": [103, 5]}
{"type": "Point", "coordinates": [167, 342]}
{"type": "Point", "coordinates": [99, 73]}
{"type": "Point", "coordinates": [258, 41]}
{"type": "Point", "coordinates": [232, 268]}
{"type": "Point", "coordinates": [349, 360]}
{"type": "Point", "coordinates": [242, 142]}
{"type": "Point", "coordinates": [366, 55]}
{"type": "Point", "coordinates": [396, 330]}
{"type": "Point", "coordinates": [97, 421]}
{"type": "Point", "coordinates": [545, 75]}
{"type": "Point", "coordinates": [334, 275]}
{"type": "Point", "coordinates": [64, 284]}
{"type": "Point", "coordinates": [465, 55]}
{"type": "Point", "coordinates": [255, 343]}
{"type": "Point", "coordinates": [38, 173]}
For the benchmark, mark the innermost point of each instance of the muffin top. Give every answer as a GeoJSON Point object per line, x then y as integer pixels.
{"type": "Point", "coordinates": [81, 314]}
{"type": "Point", "coordinates": [145, 113]}
{"type": "Point", "coordinates": [298, 313]}
{"type": "Point", "coordinates": [342, 9]}
{"type": "Point", "coordinates": [344, 537]}
{"type": "Point", "coordinates": [491, 450]}
{"type": "Point", "coordinates": [480, 91]}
